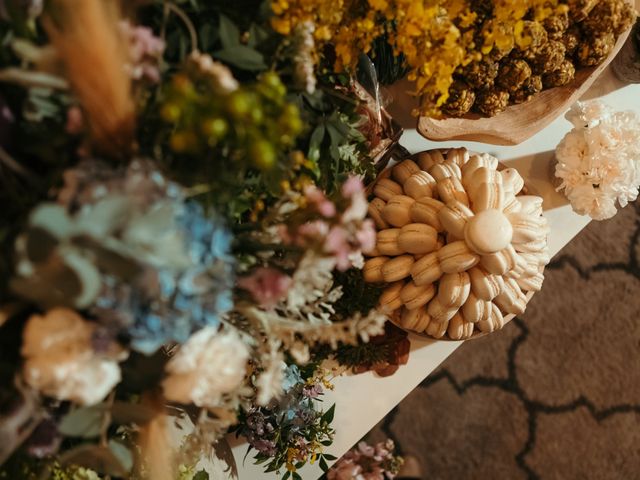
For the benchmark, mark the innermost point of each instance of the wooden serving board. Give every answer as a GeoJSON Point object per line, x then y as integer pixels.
{"type": "Point", "coordinates": [518, 122]}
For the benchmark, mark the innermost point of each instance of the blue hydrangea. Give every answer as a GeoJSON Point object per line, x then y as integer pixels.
{"type": "Point", "coordinates": [167, 306]}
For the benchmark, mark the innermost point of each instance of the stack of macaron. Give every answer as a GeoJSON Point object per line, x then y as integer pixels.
{"type": "Point", "coordinates": [459, 245]}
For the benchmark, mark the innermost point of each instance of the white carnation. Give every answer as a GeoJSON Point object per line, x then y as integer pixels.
{"type": "Point", "coordinates": [60, 361]}
{"type": "Point", "coordinates": [210, 364]}
{"type": "Point", "coordinates": [599, 160]}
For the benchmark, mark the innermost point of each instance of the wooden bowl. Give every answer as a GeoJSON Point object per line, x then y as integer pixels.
{"type": "Point", "coordinates": [518, 122]}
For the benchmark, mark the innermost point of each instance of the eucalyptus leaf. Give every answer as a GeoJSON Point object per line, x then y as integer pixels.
{"type": "Point", "coordinates": [257, 35]}
{"type": "Point", "coordinates": [317, 136]}
{"type": "Point", "coordinates": [242, 57]}
{"type": "Point", "coordinates": [323, 464]}
{"type": "Point", "coordinates": [229, 33]}
{"type": "Point", "coordinates": [85, 422]}
{"type": "Point", "coordinates": [122, 453]}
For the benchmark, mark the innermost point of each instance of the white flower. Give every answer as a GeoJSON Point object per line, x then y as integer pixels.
{"type": "Point", "coordinates": [269, 382]}
{"type": "Point", "coordinates": [60, 361]}
{"type": "Point", "coordinates": [210, 364]}
{"type": "Point", "coordinates": [599, 160]}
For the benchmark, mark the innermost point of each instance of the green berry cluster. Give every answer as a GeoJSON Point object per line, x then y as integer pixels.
{"type": "Point", "coordinates": [253, 124]}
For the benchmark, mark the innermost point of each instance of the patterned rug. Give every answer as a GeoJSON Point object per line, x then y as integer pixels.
{"type": "Point", "coordinates": [556, 394]}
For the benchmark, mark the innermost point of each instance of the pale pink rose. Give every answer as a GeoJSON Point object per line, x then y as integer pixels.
{"type": "Point", "coordinates": [367, 236]}
{"type": "Point", "coordinates": [316, 197]}
{"type": "Point", "coordinates": [337, 243]}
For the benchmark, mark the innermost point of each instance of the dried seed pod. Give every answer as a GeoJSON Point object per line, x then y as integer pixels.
{"type": "Point", "coordinates": [556, 25]}
{"type": "Point", "coordinates": [461, 98]}
{"type": "Point", "coordinates": [513, 74]}
{"type": "Point", "coordinates": [533, 36]}
{"type": "Point", "coordinates": [491, 102]}
{"type": "Point", "coordinates": [562, 76]}
{"type": "Point", "coordinates": [548, 58]}
{"type": "Point", "coordinates": [480, 75]}
{"type": "Point", "coordinates": [571, 39]}
{"type": "Point", "coordinates": [595, 50]}
{"type": "Point", "coordinates": [532, 86]}
{"type": "Point", "coordinates": [609, 16]}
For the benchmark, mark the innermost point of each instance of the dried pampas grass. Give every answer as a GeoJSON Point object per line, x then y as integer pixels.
{"type": "Point", "coordinates": [86, 36]}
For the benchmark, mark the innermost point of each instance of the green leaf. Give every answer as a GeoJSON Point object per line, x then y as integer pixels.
{"type": "Point", "coordinates": [323, 464]}
{"type": "Point", "coordinates": [122, 453]}
{"type": "Point", "coordinates": [296, 476]}
{"type": "Point", "coordinates": [84, 422]}
{"type": "Point", "coordinates": [286, 475]}
{"type": "Point", "coordinates": [229, 33]}
{"type": "Point", "coordinates": [328, 415]}
{"type": "Point", "coordinates": [201, 475]}
{"type": "Point", "coordinates": [207, 36]}
{"type": "Point", "coordinates": [326, 443]}
{"type": "Point", "coordinates": [329, 457]}
{"type": "Point", "coordinates": [257, 35]}
{"type": "Point", "coordinates": [317, 136]}
{"type": "Point", "coordinates": [242, 57]}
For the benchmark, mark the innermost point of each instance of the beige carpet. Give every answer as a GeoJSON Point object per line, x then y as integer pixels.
{"type": "Point", "coordinates": [556, 394]}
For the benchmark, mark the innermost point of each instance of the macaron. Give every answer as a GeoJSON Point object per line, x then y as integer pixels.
{"type": "Point", "coordinates": [459, 156]}
{"type": "Point", "coordinates": [526, 227]}
{"type": "Point", "coordinates": [511, 204]}
{"type": "Point", "coordinates": [457, 257]}
{"type": "Point", "coordinates": [425, 210]}
{"type": "Point", "coordinates": [419, 185]}
{"type": "Point", "coordinates": [487, 196]}
{"type": "Point", "coordinates": [424, 160]}
{"type": "Point", "coordinates": [536, 258]}
{"type": "Point", "coordinates": [475, 309]}
{"type": "Point", "coordinates": [494, 322]}
{"type": "Point", "coordinates": [453, 218]}
{"type": "Point", "coordinates": [488, 231]}
{"type": "Point", "coordinates": [478, 177]}
{"type": "Point", "coordinates": [375, 212]}
{"type": "Point", "coordinates": [450, 190]}
{"type": "Point", "coordinates": [403, 170]}
{"type": "Point", "coordinates": [418, 238]}
{"type": "Point", "coordinates": [499, 262]}
{"type": "Point", "coordinates": [531, 204]}
{"type": "Point", "coordinates": [511, 299]}
{"type": "Point", "coordinates": [459, 329]}
{"type": "Point", "coordinates": [387, 242]}
{"type": "Point", "coordinates": [474, 162]}
{"type": "Point", "coordinates": [453, 289]}
{"type": "Point", "coordinates": [371, 271]}
{"type": "Point", "coordinates": [426, 270]}
{"type": "Point", "coordinates": [437, 329]}
{"type": "Point", "coordinates": [532, 283]}
{"type": "Point", "coordinates": [484, 285]}
{"type": "Point", "coordinates": [397, 268]}
{"type": "Point", "coordinates": [439, 312]}
{"type": "Point", "coordinates": [539, 245]}
{"type": "Point", "coordinates": [415, 296]}
{"type": "Point", "coordinates": [386, 188]}
{"type": "Point", "coordinates": [416, 320]}
{"type": "Point", "coordinates": [390, 298]}
{"type": "Point", "coordinates": [397, 210]}
{"type": "Point", "coordinates": [512, 180]}
{"type": "Point", "coordinates": [445, 170]}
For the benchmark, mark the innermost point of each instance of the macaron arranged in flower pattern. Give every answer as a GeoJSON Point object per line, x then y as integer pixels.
{"type": "Point", "coordinates": [459, 244]}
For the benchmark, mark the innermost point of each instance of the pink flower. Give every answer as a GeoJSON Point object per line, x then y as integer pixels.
{"type": "Point", "coordinates": [266, 285]}
{"type": "Point", "coordinates": [366, 236]}
{"type": "Point", "coordinates": [337, 243]}
{"type": "Point", "coordinates": [316, 197]}
{"type": "Point", "coordinates": [353, 186]}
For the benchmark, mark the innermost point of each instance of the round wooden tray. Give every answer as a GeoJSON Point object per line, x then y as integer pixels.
{"type": "Point", "coordinates": [518, 122]}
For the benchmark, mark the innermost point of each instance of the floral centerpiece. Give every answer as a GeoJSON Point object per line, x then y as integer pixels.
{"type": "Point", "coordinates": [185, 216]}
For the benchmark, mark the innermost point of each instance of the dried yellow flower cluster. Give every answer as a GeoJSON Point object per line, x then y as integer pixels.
{"type": "Point", "coordinates": [435, 36]}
